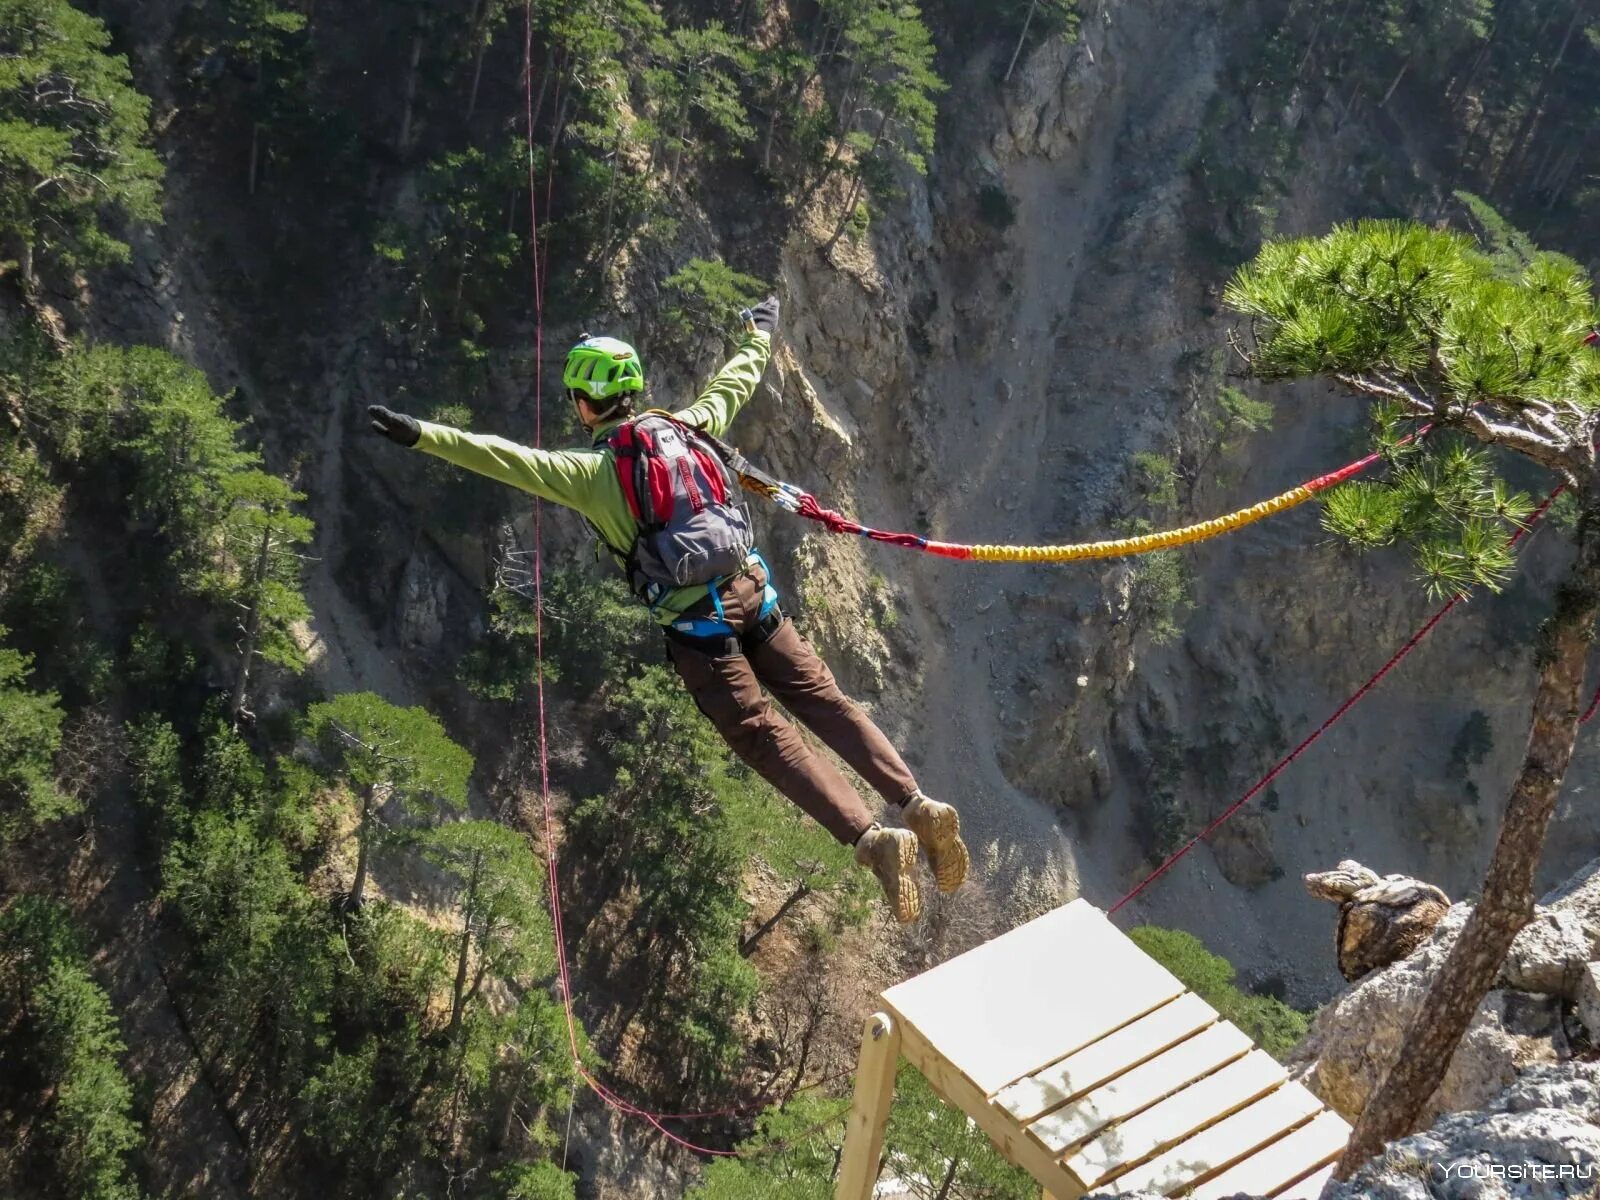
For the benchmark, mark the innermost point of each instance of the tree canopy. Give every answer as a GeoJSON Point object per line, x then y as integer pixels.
{"type": "Point", "coordinates": [73, 136]}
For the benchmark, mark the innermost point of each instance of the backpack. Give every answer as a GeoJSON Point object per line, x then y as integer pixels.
{"type": "Point", "coordinates": [682, 495]}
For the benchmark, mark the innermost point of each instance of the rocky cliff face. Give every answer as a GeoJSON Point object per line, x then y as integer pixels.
{"type": "Point", "coordinates": [1533, 1017]}
{"type": "Point", "coordinates": [982, 367]}
{"type": "Point", "coordinates": [992, 382]}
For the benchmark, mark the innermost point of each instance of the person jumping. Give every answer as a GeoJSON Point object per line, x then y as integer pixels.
{"type": "Point", "coordinates": [658, 491]}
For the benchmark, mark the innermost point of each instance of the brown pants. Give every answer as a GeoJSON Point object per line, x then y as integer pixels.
{"type": "Point", "coordinates": [727, 687]}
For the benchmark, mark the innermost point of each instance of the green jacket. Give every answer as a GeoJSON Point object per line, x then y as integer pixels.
{"type": "Point", "coordinates": [587, 479]}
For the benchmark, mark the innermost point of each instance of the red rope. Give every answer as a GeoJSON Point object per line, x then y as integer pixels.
{"type": "Point", "coordinates": [1360, 694]}
{"type": "Point", "coordinates": [552, 876]}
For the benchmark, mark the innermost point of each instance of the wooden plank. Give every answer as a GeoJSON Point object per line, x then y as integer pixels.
{"type": "Point", "coordinates": [1141, 1087]}
{"type": "Point", "coordinates": [869, 1113]}
{"type": "Point", "coordinates": [1224, 1143]}
{"type": "Point", "coordinates": [1104, 1060]}
{"type": "Point", "coordinates": [1204, 1102]}
{"type": "Point", "coordinates": [1308, 1188]}
{"type": "Point", "coordinates": [1287, 1159]}
{"type": "Point", "coordinates": [1032, 996]}
{"type": "Point", "coordinates": [1008, 1136]}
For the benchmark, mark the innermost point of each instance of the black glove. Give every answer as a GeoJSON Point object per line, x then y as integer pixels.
{"type": "Point", "coordinates": [397, 427]}
{"type": "Point", "coordinates": [764, 316]}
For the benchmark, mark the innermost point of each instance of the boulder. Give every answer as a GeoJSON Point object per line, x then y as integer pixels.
{"type": "Point", "coordinates": [1549, 955]}
{"type": "Point", "coordinates": [1580, 896]}
{"type": "Point", "coordinates": [1588, 1000]}
{"type": "Point", "coordinates": [1540, 1138]}
{"type": "Point", "coordinates": [1380, 920]}
{"type": "Point", "coordinates": [1358, 1036]}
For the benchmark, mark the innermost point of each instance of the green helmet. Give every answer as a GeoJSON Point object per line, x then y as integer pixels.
{"type": "Point", "coordinates": [603, 367]}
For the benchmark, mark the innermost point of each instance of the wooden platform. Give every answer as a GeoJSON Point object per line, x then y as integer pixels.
{"type": "Point", "coordinates": [1093, 1069]}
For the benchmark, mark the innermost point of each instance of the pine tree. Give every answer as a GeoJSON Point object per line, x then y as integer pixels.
{"type": "Point", "coordinates": [892, 87]}
{"type": "Point", "coordinates": [1424, 325]}
{"type": "Point", "coordinates": [269, 38]}
{"type": "Point", "coordinates": [73, 137]}
{"type": "Point", "coordinates": [72, 1044]}
{"type": "Point", "coordinates": [504, 932]}
{"type": "Point", "coordinates": [258, 574]}
{"type": "Point", "coordinates": [30, 735]}
{"type": "Point", "coordinates": [695, 77]}
{"type": "Point", "coordinates": [184, 451]}
{"type": "Point", "coordinates": [388, 754]}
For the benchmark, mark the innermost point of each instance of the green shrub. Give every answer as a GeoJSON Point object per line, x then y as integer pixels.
{"type": "Point", "coordinates": [704, 295]}
{"type": "Point", "coordinates": [1274, 1026]}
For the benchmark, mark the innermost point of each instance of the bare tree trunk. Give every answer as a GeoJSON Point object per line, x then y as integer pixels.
{"type": "Point", "coordinates": [855, 188]}
{"type": "Point", "coordinates": [844, 221]}
{"type": "Point", "coordinates": [1021, 39]}
{"type": "Point", "coordinates": [1512, 163]}
{"type": "Point", "coordinates": [544, 84]}
{"type": "Point", "coordinates": [25, 256]}
{"type": "Point", "coordinates": [949, 1179]}
{"type": "Point", "coordinates": [748, 945]}
{"type": "Point", "coordinates": [562, 114]}
{"type": "Point", "coordinates": [1507, 902]}
{"type": "Point", "coordinates": [1401, 74]}
{"type": "Point", "coordinates": [611, 192]}
{"type": "Point", "coordinates": [480, 43]}
{"type": "Point", "coordinates": [1561, 177]}
{"type": "Point", "coordinates": [413, 69]}
{"type": "Point", "coordinates": [252, 628]}
{"type": "Point", "coordinates": [255, 154]}
{"type": "Point", "coordinates": [772, 129]}
{"type": "Point", "coordinates": [1311, 45]}
{"type": "Point", "coordinates": [358, 889]}
{"type": "Point", "coordinates": [464, 954]}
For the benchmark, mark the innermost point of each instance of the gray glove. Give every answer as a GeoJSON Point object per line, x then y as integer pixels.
{"type": "Point", "coordinates": [764, 316]}
{"type": "Point", "coordinates": [397, 427]}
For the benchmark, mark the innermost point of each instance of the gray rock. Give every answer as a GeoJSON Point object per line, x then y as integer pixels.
{"type": "Point", "coordinates": [421, 604]}
{"type": "Point", "coordinates": [1572, 1087]}
{"type": "Point", "coordinates": [1358, 1036]}
{"type": "Point", "coordinates": [1580, 896]}
{"type": "Point", "coordinates": [1549, 955]}
{"type": "Point", "coordinates": [1588, 1000]}
{"type": "Point", "coordinates": [1536, 1141]}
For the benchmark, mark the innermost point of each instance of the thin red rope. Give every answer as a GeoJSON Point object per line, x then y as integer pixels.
{"type": "Point", "coordinates": [1360, 694]}
{"type": "Point", "coordinates": [552, 874]}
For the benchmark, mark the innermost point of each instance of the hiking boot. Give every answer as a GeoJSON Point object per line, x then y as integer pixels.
{"type": "Point", "coordinates": [891, 854]}
{"type": "Point", "coordinates": [938, 828]}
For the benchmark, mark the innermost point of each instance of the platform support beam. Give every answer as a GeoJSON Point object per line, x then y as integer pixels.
{"type": "Point", "coordinates": [869, 1114]}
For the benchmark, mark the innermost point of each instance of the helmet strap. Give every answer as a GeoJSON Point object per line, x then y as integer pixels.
{"type": "Point", "coordinates": [620, 404]}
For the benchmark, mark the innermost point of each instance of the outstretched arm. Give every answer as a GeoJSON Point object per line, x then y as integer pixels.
{"type": "Point", "coordinates": [731, 388]}
{"type": "Point", "coordinates": [560, 476]}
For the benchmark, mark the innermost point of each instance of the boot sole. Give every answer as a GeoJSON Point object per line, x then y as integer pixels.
{"type": "Point", "coordinates": [947, 853]}
{"type": "Point", "coordinates": [907, 896]}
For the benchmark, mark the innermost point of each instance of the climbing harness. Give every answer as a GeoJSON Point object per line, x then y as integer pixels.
{"type": "Point", "coordinates": [706, 627]}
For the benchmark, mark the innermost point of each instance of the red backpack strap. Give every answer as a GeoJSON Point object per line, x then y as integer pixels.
{"type": "Point", "coordinates": [624, 445]}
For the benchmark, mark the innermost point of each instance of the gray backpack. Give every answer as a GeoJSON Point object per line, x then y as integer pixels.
{"type": "Point", "coordinates": [683, 497]}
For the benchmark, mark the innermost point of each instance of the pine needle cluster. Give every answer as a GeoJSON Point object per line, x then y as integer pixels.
{"type": "Point", "coordinates": [1432, 328]}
